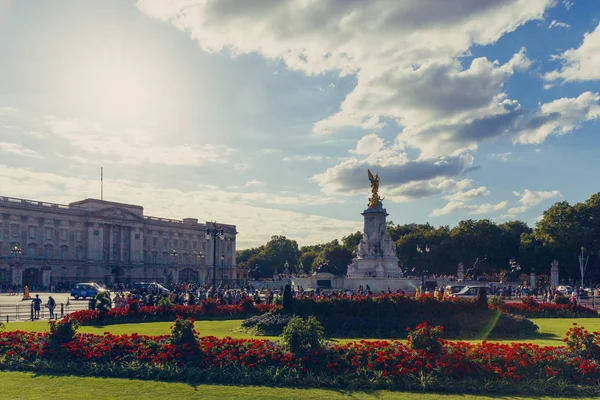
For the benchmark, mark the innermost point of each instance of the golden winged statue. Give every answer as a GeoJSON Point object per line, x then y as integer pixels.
{"type": "Point", "coordinates": [374, 200]}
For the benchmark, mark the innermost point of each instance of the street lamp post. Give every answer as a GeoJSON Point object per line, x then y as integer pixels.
{"type": "Point", "coordinates": [214, 233]}
{"type": "Point", "coordinates": [16, 251]}
{"type": "Point", "coordinates": [583, 262]}
{"type": "Point", "coordinates": [423, 249]}
{"type": "Point", "coordinates": [174, 255]}
{"type": "Point", "coordinates": [222, 268]}
{"type": "Point", "coordinates": [200, 262]}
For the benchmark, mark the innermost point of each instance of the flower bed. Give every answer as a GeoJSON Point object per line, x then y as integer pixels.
{"type": "Point", "coordinates": [380, 364]}
{"type": "Point", "coordinates": [532, 309]}
{"type": "Point", "coordinates": [206, 309]}
{"type": "Point", "coordinates": [388, 316]}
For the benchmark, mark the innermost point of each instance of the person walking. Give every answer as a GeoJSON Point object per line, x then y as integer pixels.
{"type": "Point", "coordinates": [51, 304]}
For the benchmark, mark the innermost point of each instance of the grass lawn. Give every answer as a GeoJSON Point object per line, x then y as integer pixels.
{"type": "Point", "coordinates": [552, 330]}
{"type": "Point", "coordinates": [31, 386]}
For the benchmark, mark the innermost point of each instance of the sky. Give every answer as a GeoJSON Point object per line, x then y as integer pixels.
{"type": "Point", "coordinates": [267, 114]}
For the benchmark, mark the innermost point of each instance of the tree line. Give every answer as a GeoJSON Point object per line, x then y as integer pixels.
{"type": "Point", "coordinates": [560, 234]}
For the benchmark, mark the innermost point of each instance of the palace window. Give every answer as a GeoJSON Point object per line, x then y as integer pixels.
{"type": "Point", "coordinates": [194, 244]}
{"type": "Point", "coordinates": [48, 233]}
{"type": "Point", "coordinates": [185, 244]}
{"type": "Point", "coordinates": [64, 253]}
{"type": "Point", "coordinates": [78, 253]}
{"type": "Point", "coordinates": [154, 241]}
{"type": "Point", "coordinates": [31, 251]}
{"type": "Point", "coordinates": [64, 234]}
{"type": "Point", "coordinates": [165, 242]}
{"type": "Point", "coordinates": [32, 232]}
{"type": "Point", "coordinates": [48, 251]}
{"type": "Point", "coordinates": [78, 236]}
{"type": "Point", "coordinates": [14, 230]}
{"type": "Point", "coordinates": [154, 257]}
{"type": "Point", "coordinates": [175, 242]}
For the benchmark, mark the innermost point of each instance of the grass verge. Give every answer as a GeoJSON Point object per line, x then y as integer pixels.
{"type": "Point", "coordinates": [31, 386]}
{"type": "Point", "coordinates": [552, 330]}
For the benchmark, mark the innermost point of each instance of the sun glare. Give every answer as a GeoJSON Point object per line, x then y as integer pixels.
{"type": "Point", "coordinates": [118, 88]}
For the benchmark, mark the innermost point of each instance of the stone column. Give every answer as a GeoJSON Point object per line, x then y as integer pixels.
{"type": "Point", "coordinates": [122, 244]}
{"type": "Point", "coordinates": [141, 246]}
{"type": "Point", "coordinates": [46, 277]}
{"type": "Point", "coordinates": [532, 279]}
{"type": "Point", "coordinates": [111, 244]}
{"type": "Point", "coordinates": [132, 257]}
{"type": "Point", "coordinates": [100, 241]}
{"type": "Point", "coordinates": [17, 275]}
{"type": "Point", "coordinates": [90, 249]}
{"type": "Point", "coordinates": [461, 271]}
{"type": "Point", "coordinates": [554, 273]}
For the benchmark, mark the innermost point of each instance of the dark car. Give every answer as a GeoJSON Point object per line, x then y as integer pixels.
{"type": "Point", "coordinates": [84, 290]}
{"type": "Point", "coordinates": [143, 288]}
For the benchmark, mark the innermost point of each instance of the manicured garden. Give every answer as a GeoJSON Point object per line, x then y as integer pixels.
{"type": "Point", "coordinates": [216, 350]}
{"type": "Point", "coordinates": [551, 330]}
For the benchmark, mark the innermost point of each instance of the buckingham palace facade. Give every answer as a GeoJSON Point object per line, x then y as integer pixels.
{"type": "Point", "coordinates": [42, 244]}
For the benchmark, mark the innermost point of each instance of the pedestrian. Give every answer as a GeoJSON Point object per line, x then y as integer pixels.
{"type": "Point", "coordinates": [51, 304]}
{"type": "Point", "coordinates": [37, 305]}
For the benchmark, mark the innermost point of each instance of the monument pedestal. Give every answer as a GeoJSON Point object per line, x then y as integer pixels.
{"type": "Point", "coordinates": [376, 256]}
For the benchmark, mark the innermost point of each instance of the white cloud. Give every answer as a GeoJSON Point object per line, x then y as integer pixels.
{"type": "Point", "coordinates": [304, 158]}
{"type": "Point", "coordinates": [487, 208]}
{"type": "Point", "coordinates": [134, 146]}
{"type": "Point", "coordinates": [368, 145]}
{"type": "Point", "coordinates": [454, 206]}
{"type": "Point", "coordinates": [559, 117]}
{"type": "Point", "coordinates": [415, 190]}
{"type": "Point", "coordinates": [330, 35]}
{"type": "Point", "coordinates": [469, 194]}
{"type": "Point", "coordinates": [401, 178]}
{"type": "Point", "coordinates": [450, 208]}
{"type": "Point", "coordinates": [255, 223]}
{"type": "Point", "coordinates": [581, 64]}
{"type": "Point", "coordinates": [530, 198]}
{"type": "Point", "coordinates": [15, 148]}
{"type": "Point", "coordinates": [558, 24]}
{"type": "Point", "coordinates": [403, 54]}
{"type": "Point", "coordinates": [504, 157]}
{"type": "Point", "coordinates": [439, 103]}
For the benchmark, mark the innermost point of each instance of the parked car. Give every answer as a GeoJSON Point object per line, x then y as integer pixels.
{"type": "Point", "coordinates": [564, 290]}
{"type": "Point", "coordinates": [83, 290]}
{"type": "Point", "coordinates": [148, 287]}
{"type": "Point", "coordinates": [468, 291]}
{"type": "Point", "coordinates": [451, 289]}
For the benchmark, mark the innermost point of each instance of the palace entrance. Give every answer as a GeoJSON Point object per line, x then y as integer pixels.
{"type": "Point", "coordinates": [32, 277]}
{"type": "Point", "coordinates": [188, 275]}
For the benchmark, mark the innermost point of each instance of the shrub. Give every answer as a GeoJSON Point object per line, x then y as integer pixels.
{"type": "Point", "coordinates": [62, 332]}
{"type": "Point", "coordinates": [103, 301]}
{"type": "Point", "coordinates": [271, 323]}
{"type": "Point", "coordinates": [134, 306]}
{"type": "Point", "coordinates": [495, 301]}
{"type": "Point", "coordinates": [302, 335]}
{"type": "Point", "coordinates": [287, 299]}
{"type": "Point", "coordinates": [426, 337]}
{"type": "Point", "coordinates": [481, 300]}
{"type": "Point", "coordinates": [165, 302]}
{"type": "Point", "coordinates": [183, 331]}
{"type": "Point", "coordinates": [582, 342]}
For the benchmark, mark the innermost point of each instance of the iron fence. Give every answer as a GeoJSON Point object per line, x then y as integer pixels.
{"type": "Point", "coordinates": [25, 311]}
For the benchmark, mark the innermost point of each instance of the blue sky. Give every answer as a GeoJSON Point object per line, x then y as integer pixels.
{"type": "Point", "coordinates": [267, 113]}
